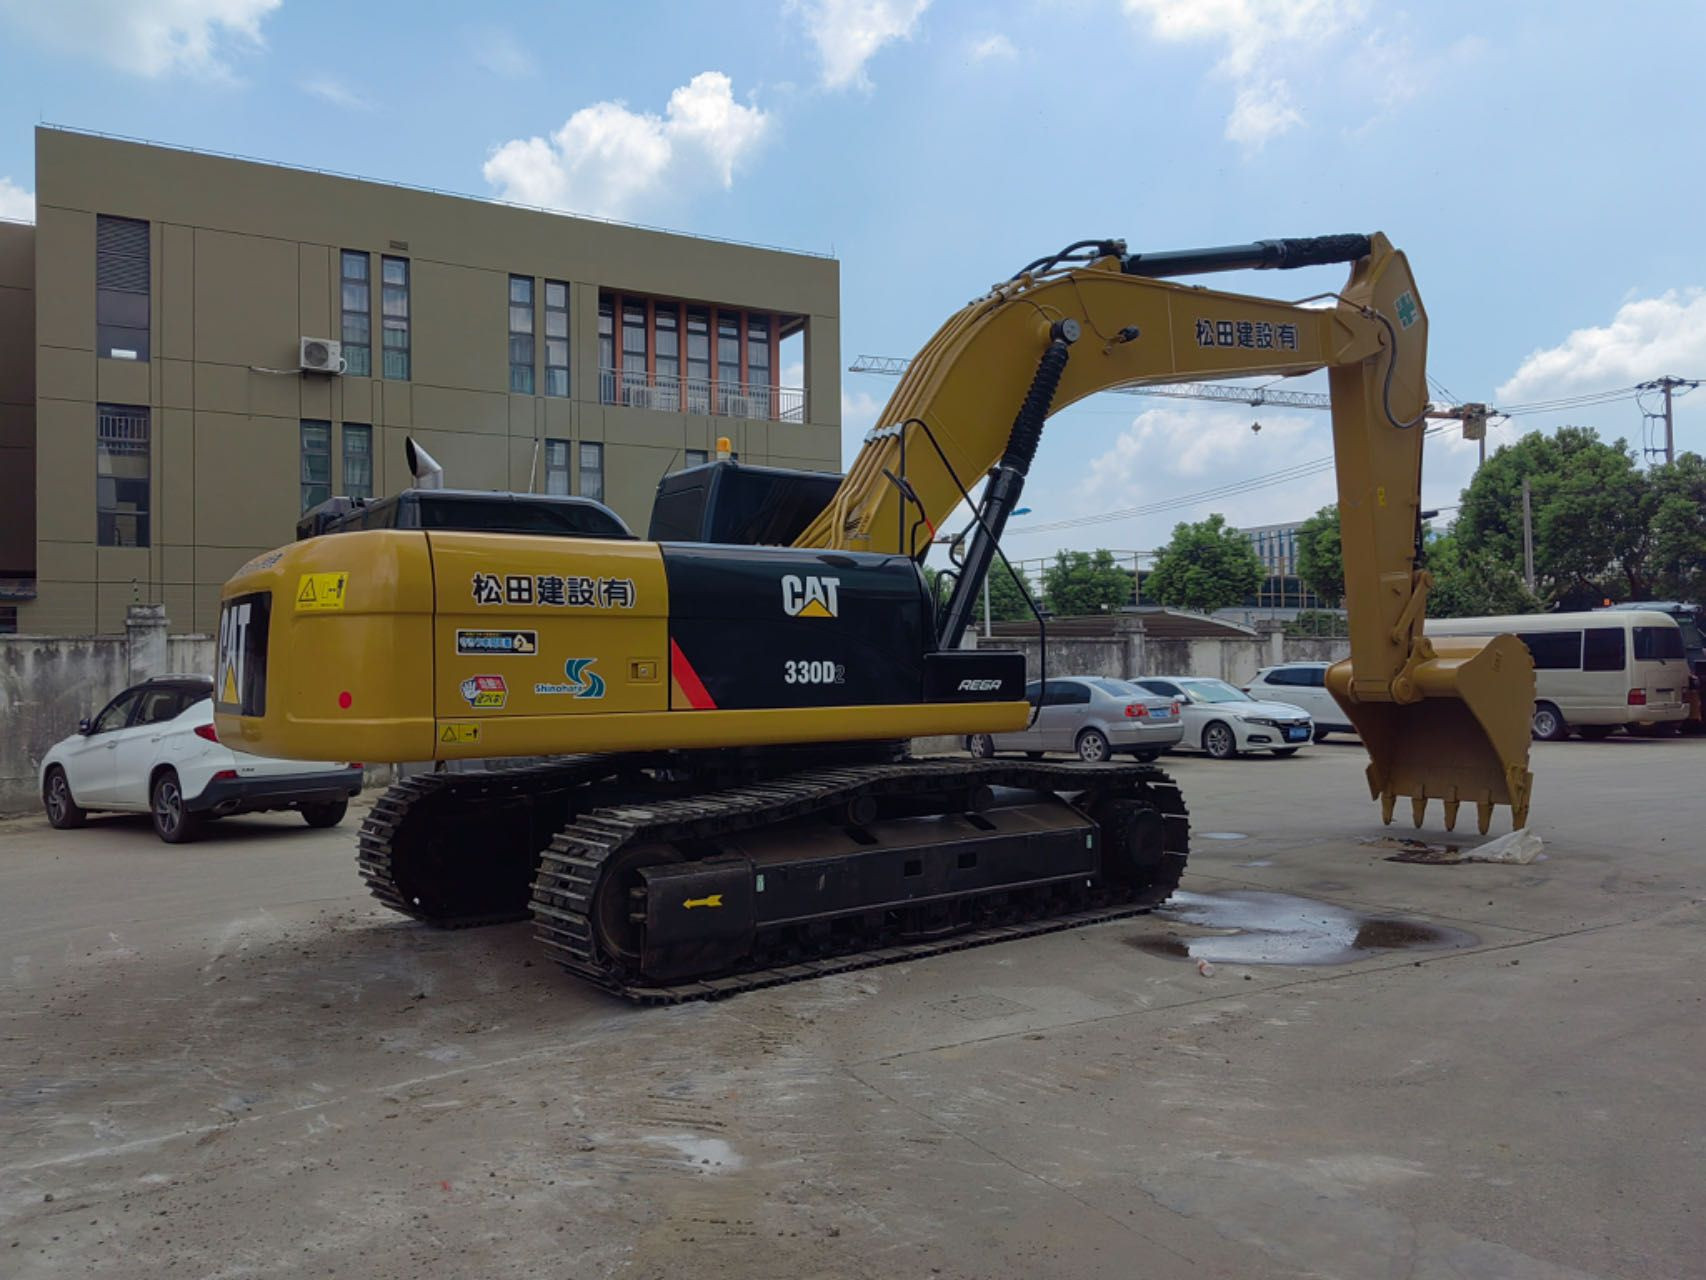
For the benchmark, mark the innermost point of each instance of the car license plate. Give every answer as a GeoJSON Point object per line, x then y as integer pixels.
{"type": "Point", "coordinates": [1296, 735]}
{"type": "Point", "coordinates": [1161, 713]}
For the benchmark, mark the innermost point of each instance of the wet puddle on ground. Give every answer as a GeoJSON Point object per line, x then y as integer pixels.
{"type": "Point", "coordinates": [1251, 927]}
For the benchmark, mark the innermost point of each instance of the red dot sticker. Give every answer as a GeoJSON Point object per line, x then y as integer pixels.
{"type": "Point", "coordinates": [344, 700]}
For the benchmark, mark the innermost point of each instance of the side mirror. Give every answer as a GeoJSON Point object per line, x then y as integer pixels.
{"type": "Point", "coordinates": [85, 725]}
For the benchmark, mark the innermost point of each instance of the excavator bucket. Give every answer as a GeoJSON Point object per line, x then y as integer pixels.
{"type": "Point", "coordinates": [1464, 737]}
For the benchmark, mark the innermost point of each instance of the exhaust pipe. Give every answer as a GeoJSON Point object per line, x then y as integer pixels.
{"type": "Point", "coordinates": [422, 465]}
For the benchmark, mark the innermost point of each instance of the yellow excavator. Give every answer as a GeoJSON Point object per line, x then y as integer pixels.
{"type": "Point", "coordinates": [711, 787]}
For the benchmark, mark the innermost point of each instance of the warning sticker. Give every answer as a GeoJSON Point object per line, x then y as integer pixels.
{"type": "Point", "coordinates": [485, 693]}
{"type": "Point", "coordinates": [320, 592]}
{"type": "Point", "coordinates": [459, 732]}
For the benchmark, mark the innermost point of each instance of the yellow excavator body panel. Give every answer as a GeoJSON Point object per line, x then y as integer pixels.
{"type": "Point", "coordinates": [408, 645]}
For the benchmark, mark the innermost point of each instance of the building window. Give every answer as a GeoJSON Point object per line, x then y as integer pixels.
{"type": "Point", "coordinates": [394, 307]}
{"type": "Point", "coordinates": [696, 457]}
{"type": "Point", "coordinates": [666, 366]}
{"type": "Point", "coordinates": [521, 335]}
{"type": "Point", "coordinates": [698, 360]}
{"type": "Point", "coordinates": [357, 304]}
{"type": "Point", "coordinates": [633, 352]}
{"type": "Point", "coordinates": [121, 475]}
{"type": "Point", "coordinates": [557, 467]}
{"type": "Point", "coordinates": [358, 460]}
{"type": "Point", "coordinates": [316, 463]}
{"type": "Point", "coordinates": [8, 619]}
{"type": "Point", "coordinates": [758, 366]}
{"type": "Point", "coordinates": [592, 471]}
{"type": "Point", "coordinates": [728, 365]}
{"type": "Point", "coordinates": [556, 338]}
{"type": "Point", "coordinates": [121, 288]}
{"type": "Point", "coordinates": [606, 349]}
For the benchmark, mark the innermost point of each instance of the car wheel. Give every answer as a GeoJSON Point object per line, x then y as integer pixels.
{"type": "Point", "coordinates": [1093, 746]}
{"type": "Point", "coordinates": [325, 815]}
{"type": "Point", "coordinates": [1218, 740]}
{"type": "Point", "coordinates": [62, 810]}
{"type": "Point", "coordinates": [1033, 755]}
{"type": "Point", "coordinates": [1321, 734]}
{"type": "Point", "coordinates": [1283, 752]}
{"type": "Point", "coordinates": [1595, 732]}
{"type": "Point", "coordinates": [1548, 724]}
{"type": "Point", "coordinates": [981, 745]}
{"type": "Point", "coordinates": [173, 823]}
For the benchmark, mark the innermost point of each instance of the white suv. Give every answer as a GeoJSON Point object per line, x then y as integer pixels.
{"type": "Point", "coordinates": [1302, 684]}
{"type": "Point", "coordinates": [153, 749]}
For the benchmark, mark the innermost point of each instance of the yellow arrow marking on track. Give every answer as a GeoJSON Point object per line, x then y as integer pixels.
{"type": "Point", "coordinates": [715, 900]}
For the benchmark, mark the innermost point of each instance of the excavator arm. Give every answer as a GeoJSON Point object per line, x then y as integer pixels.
{"type": "Point", "coordinates": [1444, 720]}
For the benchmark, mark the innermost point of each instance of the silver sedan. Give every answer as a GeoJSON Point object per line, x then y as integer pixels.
{"type": "Point", "coordinates": [1093, 716]}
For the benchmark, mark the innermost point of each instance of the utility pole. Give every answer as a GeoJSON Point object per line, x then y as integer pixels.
{"type": "Point", "coordinates": [1668, 385]}
{"type": "Point", "coordinates": [1527, 538]}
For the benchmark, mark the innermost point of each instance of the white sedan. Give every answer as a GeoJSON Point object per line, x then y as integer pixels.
{"type": "Point", "coordinates": [1224, 720]}
{"type": "Point", "coordinates": [153, 749]}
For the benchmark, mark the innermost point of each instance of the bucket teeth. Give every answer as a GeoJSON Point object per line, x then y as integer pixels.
{"type": "Point", "coordinates": [1484, 815]}
{"type": "Point", "coordinates": [1451, 815]}
{"type": "Point", "coordinates": [1418, 809]}
{"type": "Point", "coordinates": [1388, 801]}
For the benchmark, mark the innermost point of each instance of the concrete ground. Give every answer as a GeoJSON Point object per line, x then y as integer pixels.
{"type": "Point", "coordinates": [221, 1060]}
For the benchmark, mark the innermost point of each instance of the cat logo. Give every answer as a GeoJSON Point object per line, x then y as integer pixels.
{"type": "Point", "coordinates": [809, 597]}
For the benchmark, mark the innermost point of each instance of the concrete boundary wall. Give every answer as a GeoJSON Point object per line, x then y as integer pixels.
{"type": "Point", "coordinates": [49, 683]}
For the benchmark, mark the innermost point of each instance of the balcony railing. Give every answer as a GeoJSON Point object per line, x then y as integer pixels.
{"type": "Point", "coordinates": [666, 394]}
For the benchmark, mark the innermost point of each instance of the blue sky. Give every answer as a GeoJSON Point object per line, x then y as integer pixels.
{"type": "Point", "coordinates": [1540, 162]}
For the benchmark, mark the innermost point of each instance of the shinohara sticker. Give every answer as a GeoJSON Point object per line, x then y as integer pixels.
{"type": "Point", "coordinates": [496, 644]}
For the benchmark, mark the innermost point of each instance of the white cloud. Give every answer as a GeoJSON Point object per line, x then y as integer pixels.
{"type": "Point", "coordinates": [1206, 446]}
{"type": "Point", "coordinates": [1261, 112]}
{"type": "Point", "coordinates": [848, 33]}
{"type": "Point", "coordinates": [995, 48]}
{"type": "Point", "coordinates": [1255, 37]}
{"type": "Point", "coordinates": [15, 202]}
{"type": "Point", "coordinates": [1646, 338]}
{"type": "Point", "coordinates": [502, 55]}
{"type": "Point", "coordinates": [147, 37]}
{"type": "Point", "coordinates": [334, 91]}
{"type": "Point", "coordinates": [608, 160]}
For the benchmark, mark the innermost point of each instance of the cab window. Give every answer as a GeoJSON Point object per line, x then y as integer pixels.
{"type": "Point", "coordinates": [1603, 649]}
{"type": "Point", "coordinates": [157, 706]}
{"type": "Point", "coordinates": [1652, 643]}
{"type": "Point", "coordinates": [1064, 693]}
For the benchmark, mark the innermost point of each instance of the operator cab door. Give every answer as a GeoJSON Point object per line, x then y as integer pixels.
{"type": "Point", "coordinates": [139, 743]}
{"type": "Point", "coordinates": [91, 763]}
{"type": "Point", "coordinates": [1062, 713]}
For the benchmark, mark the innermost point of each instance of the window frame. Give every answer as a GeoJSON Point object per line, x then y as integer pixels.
{"type": "Point", "coordinates": [523, 340]}
{"type": "Point", "coordinates": [399, 322]}
{"type": "Point", "coordinates": [581, 469]}
{"type": "Point", "coordinates": [346, 312]}
{"type": "Point", "coordinates": [563, 468]}
{"type": "Point", "coordinates": [356, 431]}
{"type": "Point", "coordinates": [118, 271]}
{"type": "Point", "coordinates": [304, 426]}
{"type": "Point", "coordinates": [553, 310]}
{"type": "Point", "coordinates": [108, 514]}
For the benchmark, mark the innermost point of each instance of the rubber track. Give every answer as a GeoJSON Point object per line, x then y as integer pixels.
{"type": "Point", "coordinates": [571, 867]}
{"type": "Point", "coordinates": [389, 827]}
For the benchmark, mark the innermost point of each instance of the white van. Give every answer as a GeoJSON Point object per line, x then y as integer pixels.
{"type": "Point", "coordinates": [1594, 671]}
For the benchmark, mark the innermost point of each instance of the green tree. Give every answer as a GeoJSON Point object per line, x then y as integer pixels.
{"type": "Point", "coordinates": [1320, 560]}
{"type": "Point", "coordinates": [1678, 549]}
{"type": "Point", "coordinates": [1206, 566]}
{"type": "Point", "coordinates": [1006, 598]}
{"type": "Point", "coordinates": [1472, 584]}
{"type": "Point", "coordinates": [1593, 513]}
{"type": "Point", "coordinates": [1081, 582]}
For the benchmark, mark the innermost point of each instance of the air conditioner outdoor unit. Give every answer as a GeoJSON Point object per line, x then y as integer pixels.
{"type": "Point", "coordinates": [322, 355]}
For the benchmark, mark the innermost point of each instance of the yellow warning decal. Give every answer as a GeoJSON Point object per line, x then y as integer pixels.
{"type": "Point", "coordinates": [320, 592]}
{"type": "Point", "coordinates": [459, 732]}
{"type": "Point", "coordinates": [715, 900]}
{"type": "Point", "coordinates": [815, 609]}
{"type": "Point", "coordinates": [229, 694]}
